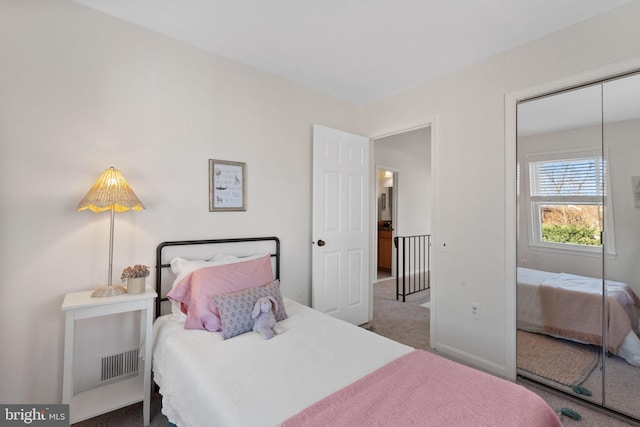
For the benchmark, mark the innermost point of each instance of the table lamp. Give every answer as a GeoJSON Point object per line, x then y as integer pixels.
{"type": "Point", "coordinates": [110, 192]}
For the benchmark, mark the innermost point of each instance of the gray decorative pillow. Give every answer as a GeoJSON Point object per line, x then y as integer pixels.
{"type": "Point", "coordinates": [235, 308]}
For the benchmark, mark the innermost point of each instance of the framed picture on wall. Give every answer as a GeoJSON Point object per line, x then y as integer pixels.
{"type": "Point", "coordinates": [227, 186]}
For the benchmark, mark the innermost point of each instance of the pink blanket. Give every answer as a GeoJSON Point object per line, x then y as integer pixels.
{"type": "Point", "coordinates": [422, 389]}
{"type": "Point", "coordinates": [571, 307]}
{"type": "Point", "coordinates": [578, 316]}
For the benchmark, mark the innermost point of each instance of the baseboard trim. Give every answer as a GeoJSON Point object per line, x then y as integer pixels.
{"type": "Point", "coordinates": [471, 360]}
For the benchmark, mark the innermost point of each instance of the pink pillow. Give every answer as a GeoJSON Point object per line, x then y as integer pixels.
{"type": "Point", "coordinates": [196, 290]}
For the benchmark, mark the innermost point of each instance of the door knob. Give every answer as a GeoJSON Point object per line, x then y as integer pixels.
{"type": "Point", "coordinates": [321, 242]}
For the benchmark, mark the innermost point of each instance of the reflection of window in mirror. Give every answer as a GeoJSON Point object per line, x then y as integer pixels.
{"type": "Point", "coordinates": [567, 199]}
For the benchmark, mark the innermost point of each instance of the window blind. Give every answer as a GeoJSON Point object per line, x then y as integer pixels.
{"type": "Point", "coordinates": [570, 177]}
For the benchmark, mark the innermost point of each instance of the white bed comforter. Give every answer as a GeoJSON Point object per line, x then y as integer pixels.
{"type": "Point", "coordinates": [249, 381]}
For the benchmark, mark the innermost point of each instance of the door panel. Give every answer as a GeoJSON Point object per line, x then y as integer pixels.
{"type": "Point", "coordinates": [331, 207]}
{"type": "Point", "coordinates": [340, 276]}
{"type": "Point", "coordinates": [356, 282]}
{"type": "Point", "coordinates": [621, 139]}
{"type": "Point", "coordinates": [560, 199]}
{"type": "Point", "coordinates": [329, 295]}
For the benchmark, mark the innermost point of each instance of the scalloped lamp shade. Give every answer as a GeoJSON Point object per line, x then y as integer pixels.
{"type": "Point", "coordinates": [111, 192]}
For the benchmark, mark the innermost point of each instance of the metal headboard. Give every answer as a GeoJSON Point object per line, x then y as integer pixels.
{"type": "Point", "coordinates": [160, 265]}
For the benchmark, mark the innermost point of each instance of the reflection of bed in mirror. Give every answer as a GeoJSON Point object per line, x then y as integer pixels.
{"type": "Point", "coordinates": [570, 306]}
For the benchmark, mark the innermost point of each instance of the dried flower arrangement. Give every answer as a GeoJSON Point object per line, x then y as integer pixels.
{"type": "Point", "coordinates": [137, 270]}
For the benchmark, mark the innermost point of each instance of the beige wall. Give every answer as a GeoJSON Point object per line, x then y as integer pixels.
{"type": "Point", "coordinates": [81, 91]}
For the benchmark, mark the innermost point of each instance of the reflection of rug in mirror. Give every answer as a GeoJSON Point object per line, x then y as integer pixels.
{"type": "Point", "coordinates": [562, 361]}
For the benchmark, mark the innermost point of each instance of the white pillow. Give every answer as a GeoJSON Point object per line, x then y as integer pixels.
{"type": "Point", "coordinates": [181, 267]}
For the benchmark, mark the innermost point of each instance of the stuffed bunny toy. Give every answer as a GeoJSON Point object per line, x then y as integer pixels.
{"type": "Point", "coordinates": [264, 318]}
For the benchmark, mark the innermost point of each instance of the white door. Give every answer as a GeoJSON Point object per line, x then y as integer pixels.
{"type": "Point", "coordinates": [340, 259]}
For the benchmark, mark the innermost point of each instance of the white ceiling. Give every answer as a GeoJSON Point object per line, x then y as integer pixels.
{"type": "Point", "coordinates": [357, 50]}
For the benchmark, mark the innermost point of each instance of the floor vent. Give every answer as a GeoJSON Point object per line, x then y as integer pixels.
{"type": "Point", "coordinates": [119, 365]}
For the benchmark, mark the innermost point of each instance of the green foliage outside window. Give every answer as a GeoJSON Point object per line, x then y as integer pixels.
{"type": "Point", "coordinates": [577, 234]}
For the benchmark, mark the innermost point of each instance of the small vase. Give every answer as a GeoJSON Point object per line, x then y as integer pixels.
{"type": "Point", "coordinates": [136, 285]}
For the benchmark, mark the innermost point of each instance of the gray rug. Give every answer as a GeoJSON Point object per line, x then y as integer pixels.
{"type": "Point", "coordinates": [557, 360]}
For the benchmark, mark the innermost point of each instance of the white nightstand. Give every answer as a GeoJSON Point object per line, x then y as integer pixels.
{"type": "Point", "coordinates": [106, 398]}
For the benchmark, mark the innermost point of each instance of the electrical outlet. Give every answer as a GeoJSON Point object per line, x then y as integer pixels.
{"type": "Point", "coordinates": [299, 296]}
{"type": "Point", "coordinates": [475, 310]}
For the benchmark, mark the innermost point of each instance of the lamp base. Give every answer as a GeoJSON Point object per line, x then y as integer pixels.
{"type": "Point", "coordinates": [109, 291]}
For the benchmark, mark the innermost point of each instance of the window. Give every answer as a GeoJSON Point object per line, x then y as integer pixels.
{"type": "Point", "coordinates": [568, 200]}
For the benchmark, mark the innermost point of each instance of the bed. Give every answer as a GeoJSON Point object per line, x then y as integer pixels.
{"type": "Point", "coordinates": [316, 371]}
{"type": "Point", "coordinates": [569, 306]}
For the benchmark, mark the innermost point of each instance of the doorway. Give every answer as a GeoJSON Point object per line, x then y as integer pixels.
{"type": "Point", "coordinates": [404, 185]}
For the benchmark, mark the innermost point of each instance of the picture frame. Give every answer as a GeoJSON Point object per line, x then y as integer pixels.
{"type": "Point", "coordinates": [227, 186]}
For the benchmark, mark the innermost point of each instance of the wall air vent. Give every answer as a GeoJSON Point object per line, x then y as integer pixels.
{"type": "Point", "coordinates": [119, 365]}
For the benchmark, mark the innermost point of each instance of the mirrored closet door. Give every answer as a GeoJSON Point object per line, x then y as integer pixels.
{"type": "Point", "coordinates": [578, 242]}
